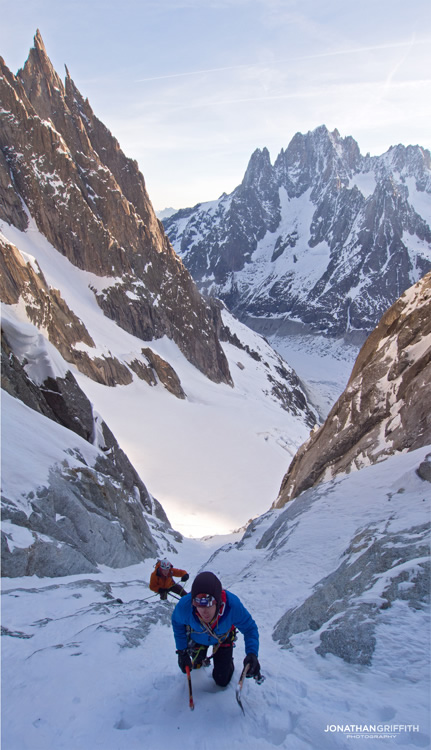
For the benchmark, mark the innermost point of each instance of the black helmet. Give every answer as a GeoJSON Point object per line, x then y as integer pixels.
{"type": "Point", "coordinates": [207, 583]}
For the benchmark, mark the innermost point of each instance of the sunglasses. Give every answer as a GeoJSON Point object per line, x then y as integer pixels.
{"type": "Point", "coordinates": [206, 600]}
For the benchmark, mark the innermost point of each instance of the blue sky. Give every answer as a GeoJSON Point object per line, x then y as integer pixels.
{"type": "Point", "coordinates": [191, 88]}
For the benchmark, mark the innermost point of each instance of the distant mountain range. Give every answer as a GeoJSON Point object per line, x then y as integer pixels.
{"type": "Point", "coordinates": [325, 239]}
{"type": "Point", "coordinates": [165, 213]}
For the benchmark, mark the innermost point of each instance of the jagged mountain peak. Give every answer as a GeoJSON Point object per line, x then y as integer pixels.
{"type": "Point", "coordinates": [317, 158]}
{"type": "Point", "coordinates": [326, 238]}
{"type": "Point", "coordinates": [75, 120]}
{"type": "Point", "coordinates": [407, 161]}
{"type": "Point", "coordinates": [259, 162]}
{"type": "Point", "coordinates": [259, 183]}
{"type": "Point", "coordinates": [38, 41]}
{"type": "Point", "coordinates": [62, 167]}
{"type": "Point", "coordinates": [43, 85]}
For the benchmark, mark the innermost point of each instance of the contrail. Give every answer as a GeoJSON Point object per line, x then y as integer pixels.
{"type": "Point", "coordinates": [305, 94]}
{"type": "Point", "coordinates": [194, 72]}
{"type": "Point", "coordinates": [351, 51]}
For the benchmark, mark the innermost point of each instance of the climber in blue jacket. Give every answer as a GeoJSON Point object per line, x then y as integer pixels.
{"type": "Point", "coordinates": [209, 616]}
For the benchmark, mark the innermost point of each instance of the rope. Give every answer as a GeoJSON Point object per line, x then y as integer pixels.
{"type": "Point", "coordinates": [211, 632]}
{"type": "Point", "coordinates": [149, 597]}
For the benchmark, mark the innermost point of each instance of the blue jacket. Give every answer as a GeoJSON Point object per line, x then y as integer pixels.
{"type": "Point", "coordinates": [184, 616]}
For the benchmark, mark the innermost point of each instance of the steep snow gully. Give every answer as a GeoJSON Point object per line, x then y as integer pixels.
{"type": "Point", "coordinates": [90, 662]}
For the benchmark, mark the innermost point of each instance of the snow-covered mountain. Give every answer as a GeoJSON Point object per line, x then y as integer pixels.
{"type": "Point", "coordinates": [165, 213]}
{"type": "Point", "coordinates": [202, 450]}
{"type": "Point", "coordinates": [323, 240]}
{"type": "Point", "coordinates": [71, 499]}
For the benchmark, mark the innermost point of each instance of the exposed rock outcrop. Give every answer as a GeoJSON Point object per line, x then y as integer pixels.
{"type": "Point", "coordinates": [165, 373]}
{"type": "Point", "coordinates": [284, 384]}
{"type": "Point", "coordinates": [47, 309]}
{"type": "Point", "coordinates": [87, 513]}
{"type": "Point", "coordinates": [386, 406]}
{"type": "Point", "coordinates": [377, 570]}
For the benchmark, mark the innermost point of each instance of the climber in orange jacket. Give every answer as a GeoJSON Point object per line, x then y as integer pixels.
{"type": "Point", "coordinates": [161, 580]}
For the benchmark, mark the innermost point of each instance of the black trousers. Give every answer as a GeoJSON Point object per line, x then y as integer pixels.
{"type": "Point", "coordinates": [223, 665]}
{"type": "Point", "coordinates": [176, 589]}
{"type": "Point", "coordinates": [222, 660]}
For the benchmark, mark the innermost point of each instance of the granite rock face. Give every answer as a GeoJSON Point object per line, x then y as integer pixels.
{"type": "Point", "coordinates": [61, 165]}
{"type": "Point", "coordinates": [385, 407]}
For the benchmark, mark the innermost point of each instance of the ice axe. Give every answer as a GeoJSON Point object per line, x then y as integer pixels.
{"type": "Point", "coordinates": [259, 678]}
{"type": "Point", "coordinates": [239, 686]}
{"type": "Point", "coordinates": [189, 681]}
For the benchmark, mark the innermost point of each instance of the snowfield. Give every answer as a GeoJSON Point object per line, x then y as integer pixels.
{"type": "Point", "coordinates": [90, 662]}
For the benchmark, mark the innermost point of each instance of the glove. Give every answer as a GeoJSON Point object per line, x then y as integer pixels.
{"type": "Point", "coordinates": [184, 660]}
{"type": "Point", "coordinates": [185, 577]}
{"type": "Point", "coordinates": [163, 594]}
{"type": "Point", "coordinates": [254, 668]}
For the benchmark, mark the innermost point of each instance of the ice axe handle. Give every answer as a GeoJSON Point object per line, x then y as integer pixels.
{"type": "Point", "coordinates": [189, 682]}
{"type": "Point", "coordinates": [239, 686]}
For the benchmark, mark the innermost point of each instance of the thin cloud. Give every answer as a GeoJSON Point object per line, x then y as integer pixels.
{"type": "Point", "coordinates": [325, 91]}
{"type": "Point", "coordinates": [302, 58]}
{"type": "Point", "coordinates": [192, 73]}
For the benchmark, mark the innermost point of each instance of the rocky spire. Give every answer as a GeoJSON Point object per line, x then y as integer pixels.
{"type": "Point", "coordinates": [259, 168]}
{"type": "Point", "coordinates": [43, 86]}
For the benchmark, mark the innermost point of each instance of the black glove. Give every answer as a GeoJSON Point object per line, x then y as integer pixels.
{"type": "Point", "coordinates": [254, 668]}
{"type": "Point", "coordinates": [184, 660]}
{"type": "Point", "coordinates": [185, 577]}
{"type": "Point", "coordinates": [163, 594]}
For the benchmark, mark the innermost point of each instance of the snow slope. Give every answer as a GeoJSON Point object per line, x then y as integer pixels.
{"type": "Point", "coordinates": [202, 458]}
{"type": "Point", "coordinates": [84, 670]}
{"type": "Point", "coordinates": [323, 364]}
{"type": "Point", "coordinates": [27, 461]}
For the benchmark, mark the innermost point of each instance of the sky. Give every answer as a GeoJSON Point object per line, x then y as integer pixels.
{"type": "Point", "coordinates": [191, 89]}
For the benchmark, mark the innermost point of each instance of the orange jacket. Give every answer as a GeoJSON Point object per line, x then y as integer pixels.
{"type": "Point", "coordinates": [158, 582]}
